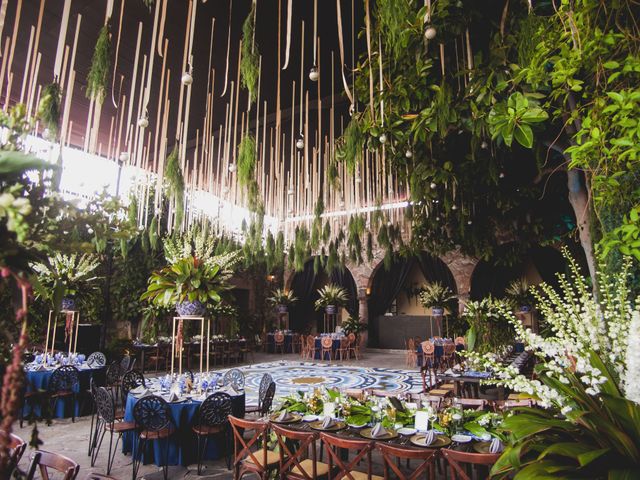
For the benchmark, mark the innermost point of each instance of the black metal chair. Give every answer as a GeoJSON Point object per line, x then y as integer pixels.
{"type": "Point", "coordinates": [153, 422]}
{"type": "Point", "coordinates": [212, 419]}
{"type": "Point", "coordinates": [130, 380]}
{"type": "Point", "coordinates": [107, 422]}
{"type": "Point", "coordinates": [262, 391]}
{"type": "Point", "coordinates": [64, 384]}
{"type": "Point", "coordinates": [93, 431]}
{"type": "Point", "coordinates": [268, 399]}
{"type": "Point", "coordinates": [96, 360]}
{"type": "Point", "coordinates": [125, 364]}
{"type": "Point", "coordinates": [113, 378]}
{"type": "Point", "coordinates": [233, 377]}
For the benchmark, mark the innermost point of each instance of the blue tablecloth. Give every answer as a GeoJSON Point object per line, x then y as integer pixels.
{"type": "Point", "coordinates": [183, 443]}
{"type": "Point", "coordinates": [334, 348]}
{"type": "Point", "coordinates": [271, 343]}
{"type": "Point", "coordinates": [438, 352]}
{"type": "Point", "coordinates": [39, 380]}
{"type": "Point", "coordinates": [519, 347]}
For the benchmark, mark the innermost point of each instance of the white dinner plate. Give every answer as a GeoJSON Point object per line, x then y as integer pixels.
{"type": "Point", "coordinates": [407, 431]}
{"type": "Point", "coordinates": [309, 418]}
{"type": "Point", "coordinates": [461, 438]}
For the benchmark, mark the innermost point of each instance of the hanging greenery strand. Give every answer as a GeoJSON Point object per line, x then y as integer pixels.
{"type": "Point", "coordinates": [49, 108]}
{"type": "Point", "coordinates": [246, 160]}
{"type": "Point", "coordinates": [393, 17]}
{"type": "Point", "coordinates": [349, 148]}
{"type": "Point", "coordinates": [250, 62]}
{"type": "Point", "coordinates": [100, 64]}
{"type": "Point", "coordinates": [175, 180]}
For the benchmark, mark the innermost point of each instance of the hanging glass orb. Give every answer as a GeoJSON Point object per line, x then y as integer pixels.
{"type": "Point", "coordinates": [469, 222]}
{"type": "Point", "coordinates": [314, 74]}
{"type": "Point", "coordinates": [232, 167]}
{"type": "Point", "coordinates": [484, 145]}
{"type": "Point", "coordinates": [430, 33]}
{"type": "Point", "coordinates": [352, 110]}
{"type": "Point", "coordinates": [225, 190]}
{"type": "Point", "coordinates": [290, 192]}
{"type": "Point", "coordinates": [124, 156]}
{"type": "Point", "coordinates": [143, 122]}
{"type": "Point", "coordinates": [501, 175]}
{"type": "Point", "coordinates": [454, 207]}
{"type": "Point", "coordinates": [300, 143]}
{"type": "Point", "coordinates": [383, 139]}
{"type": "Point", "coordinates": [408, 154]}
{"type": "Point", "coordinates": [358, 179]}
{"type": "Point", "coordinates": [187, 79]}
{"type": "Point", "coordinates": [433, 186]}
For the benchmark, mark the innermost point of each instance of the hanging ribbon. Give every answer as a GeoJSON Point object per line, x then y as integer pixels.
{"type": "Point", "coordinates": [115, 59]}
{"type": "Point", "coordinates": [161, 29]}
{"type": "Point", "coordinates": [381, 80]}
{"type": "Point", "coordinates": [61, 36]}
{"type": "Point", "coordinates": [226, 68]}
{"type": "Point", "coordinates": [341, 42]}
{"type": "Point", "coordinates": [367, 21]}
{"type": "Point", "coordinates": [286, 55]}
{"type": "Point", "coordinates": [315, 32]}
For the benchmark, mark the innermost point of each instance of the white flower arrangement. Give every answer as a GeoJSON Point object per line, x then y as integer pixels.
{"type": "Point", "coordinates": [581, 326]}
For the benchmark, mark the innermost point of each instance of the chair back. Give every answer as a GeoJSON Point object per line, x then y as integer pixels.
{"type": "Point", "coordinates": [458, 461]}
{"type": "Point", "coordinates": [460, 341]}
{"type": "Point", "coordinates": [233, 377]}
{"type": "Point", "coordinates": [267, 401]}
{"type": "Point", "coordinates": [352, 339]}
{"type": "Point", "coordinates": [327, 343]}
{"type": "Point", "coordinates": [17, 446]}
{"type": "Point", "coordinates": [279, 337]}
{"type": "Point", "coordinates": [214, 410]}
{"type": "Point", "coordinates": [433, 400]}
{"type": "Point", "coordinates": [112, 377]}
{"type": "Point", "coordinates": [392, 453]}
{"type": "Point", "coordinates": [449, 348]}
{"type": "Point", "coordinates": [43, 461]}
{"type": "Point", "coordinates": [311, 342]}
{"type": "Point", "coordinates": [105, 405]}
{"type": "Point", "coordinates": [130, 380]}
{"type": "Point", "coordinates": [125, 363]}
{"type": "Point", "coordinates": [335, 446]}
{"type": "Point", "coordinates": [411, 345]}
{"type": "Point", "coordinates": [243, 448]}
{"type": "Point", "coordinates": [152, 414]}
{"type": "Point", "coordinates": [64, 378]}
{"type": "Point", "coordinates": [265, 381]}
{"type": "Point", "coordinates": [428, 348]}
{"type": "Point", "coordinates": [291, 459]}
{"type": "Point", "coordinates": [344, 343]}
{"type": "Point", "coordinates": [96, 360]}
{"type": "Point", "coordinates": [477, 403]}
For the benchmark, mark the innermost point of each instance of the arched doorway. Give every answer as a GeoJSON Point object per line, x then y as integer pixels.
{"type": "Point", "coordinates": [395, 312]}
{"type": "Point", "coordinates": [303, 317]}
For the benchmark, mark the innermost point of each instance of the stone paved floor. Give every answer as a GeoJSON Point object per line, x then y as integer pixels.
{"type": "Point", "coordinates": [71, 439]}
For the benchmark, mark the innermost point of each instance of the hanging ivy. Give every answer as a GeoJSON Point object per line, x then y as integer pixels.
{"type": "Point", "coordinates": [250, 61]}
{"type": "Point", "coordinates": [49, 108]}
{"type": "Point", "coordinates": [369, 246]}
{"type": "Point", "coordinates": [301, 243]}
{"type": "Point", "coordinates": [154, 242]}
{"type": "Point", "coordinates": [246, 160]}
{"type": "Point", "coordinates": [326, 232]}
{"type": "Point", "coordinates": [149, 3]}
{"type": "Point", "coordinates": [98, 77]}
{"type": "Point", "coordinates": [279, 251]}
{"type": "Point", "coordinates": [394, 17]}
{"type": "Point", "coordinates": [349, 146]}
{"type": "Point", "coordinates": [332, 258]}
{"type": "Point", "coordinates": [270, 252]}
{"type": "Point", "coordinates": [175, 181]}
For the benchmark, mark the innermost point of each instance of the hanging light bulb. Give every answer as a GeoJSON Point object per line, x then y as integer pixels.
{"type": "Point", "coordinates": [454, 207]}
{"type": "Point", "coordinates": [433, 186]}
{"type": "Point", "coordinates": [430, 32]}
{"type": "Point", "coordinates": [501, 175]}
{"type": "Point", "coordinates": [408, 154]}
{"type": "Point", "coordinates": [352, 110]}
{"type": "Point", "coordinates": [300, 143]}
{"type": "Point", "coordinates": [484, 145]}
{"type": "Point", "coordinates": [358, 179]}
{"type": "Point", "coordinates": [469, 222]}
{"type": "Point", "coordinates": [290, 192]}
{"type": "Point", "coordinates": [383, 139]}
{"type": "Point", "coordinates": [124, 157]}
{"type": "Point", "coordinates": [225, 190]}
{"type": "Point", "coordinates": [187, 78]}
{"type": "Point", "coordinates": [232, 167]}
{"type": "Point", "coordinates": [341, 204]}
{"type": "Point", "coordinates": [143, 122]}
{"type": "Point", "coordinates": [314, 74]}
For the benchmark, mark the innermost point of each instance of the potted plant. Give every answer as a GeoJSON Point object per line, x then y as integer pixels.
{"type": "Point", "coordinates": [353, 325]}
{"type": "Point", "coordinates": [188, 285]}
{"type": "Point", "coordinates": [281, 299]}
{"type": "Point", "coordinates": [437, 297]}
{"type": "Point", "coordinates": [63, 277]}
{"type": "Point", "coordinates": [332, 297]}
{"type": "Point", "coordinates": [518, 293]}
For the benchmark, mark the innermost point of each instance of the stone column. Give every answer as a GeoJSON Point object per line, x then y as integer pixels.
{"type": "Point", "coordinates": [363, 312]}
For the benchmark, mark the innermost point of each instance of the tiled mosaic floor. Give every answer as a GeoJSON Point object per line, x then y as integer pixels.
{"type": "Point", "coordinates": [293, 376]}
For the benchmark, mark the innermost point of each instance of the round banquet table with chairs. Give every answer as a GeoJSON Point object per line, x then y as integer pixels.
{"type": "Point", "coordinates": [38, 378]}
{"type": "Point", "coordinates": [288, 342]}
{"type": "Point", "coordinates": [182, 444]}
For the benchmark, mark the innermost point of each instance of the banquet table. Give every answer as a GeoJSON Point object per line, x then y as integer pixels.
{"type": "Point", "coordinates": [183, 443]}
{"type": "Point", "coordinates": [39, 380]}
{"type": "Point", "coordinates": [438, 352]}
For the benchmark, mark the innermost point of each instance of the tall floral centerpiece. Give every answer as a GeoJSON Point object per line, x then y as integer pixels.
{"type": "Point", "coordinates": [587, 382]}
{"type": "Point", "coordinates": [332, 297]}
{"type": "Point", "coordinates": [490, 328]}
{"type": "Point", "coordinates": [281, 299]}
{"type": "Point", "coordinates": [437, 297]}
{"type": "Point", "coordinates": [62, 278]}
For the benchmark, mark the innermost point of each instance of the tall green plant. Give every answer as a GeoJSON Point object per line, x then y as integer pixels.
{"type": "Point", "coordinates": [250, 61]}
{"type": "Point", "coordinates": [49, 108]}
{"type": "Point", "coordinates": [175, 181]}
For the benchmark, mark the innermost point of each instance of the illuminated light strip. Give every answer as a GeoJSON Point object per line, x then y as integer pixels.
{"type": "Point", "coordinates": [343, 213]}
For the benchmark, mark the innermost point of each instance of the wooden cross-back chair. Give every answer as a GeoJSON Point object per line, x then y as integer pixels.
{"type": "Point", "coordinates": [458, 461]}
{"type": "Point", "coordinates": [297, 464]}
{"type": "Point", "coordinates": [17, 446]}
{"type": "Point", "coordinates": [345, 468]}
{"type": "Point", "coordinates": [43, 461]}
{"type": "Point", "coordinates": [391, 454]}
{"type": "Point", "coordinates": [260, 462]}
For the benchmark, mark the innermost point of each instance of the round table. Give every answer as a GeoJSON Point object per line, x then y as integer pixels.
{"type": "Point", "coordinates": [183, 443]}
{"type": "Point", "coordinates": [39, 380]}
{"type": "Point", "coordinates": [334, 348]}
{"type": "Point", "coordinates": [271, 343]}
